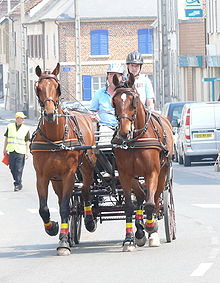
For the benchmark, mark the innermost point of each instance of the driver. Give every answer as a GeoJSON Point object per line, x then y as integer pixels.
{"type": "Point", "coordinates": [102, 101]}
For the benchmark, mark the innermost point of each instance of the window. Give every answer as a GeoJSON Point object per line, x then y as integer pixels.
{"type": "Point", "coordinates": [35, 46]}
{"type": "Point", "coordinates": [91, 85]}
{"type": "Point", "coordinates": [145, 41]}
{"type": "Point", "coordinates": [99, 42]}
{"type": "Point", "coordinates": [97, 83]}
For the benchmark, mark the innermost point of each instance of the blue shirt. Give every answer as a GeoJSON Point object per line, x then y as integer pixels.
{"type": "Point", "coordinates": [102, 102]}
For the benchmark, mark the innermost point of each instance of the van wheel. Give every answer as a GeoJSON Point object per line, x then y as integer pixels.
{"type": "Point", "coordinates": [186, 160]}
{"type": "Point", "coordinates": [180, 159]}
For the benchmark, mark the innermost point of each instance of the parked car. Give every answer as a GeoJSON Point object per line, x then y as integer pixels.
{"type": "Point", "coordinates": [173, 110]}
{"type": "Point", "coordinates": [199, 132]}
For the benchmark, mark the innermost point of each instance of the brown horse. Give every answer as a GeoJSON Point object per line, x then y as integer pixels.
{"type": "Point", "coordinates": [144, 145]}
{"type": "Point", "coordinates": [55, 161]}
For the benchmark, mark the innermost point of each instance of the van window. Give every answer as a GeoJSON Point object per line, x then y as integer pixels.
{"type": "Point", "coordinates": [177, 112]}
{"type": "Point", "coordinates": [202, 117]}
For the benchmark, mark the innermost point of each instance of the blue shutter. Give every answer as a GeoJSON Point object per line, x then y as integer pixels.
{"type": "Point", "coordinates": [99, 42]}
{"type": "Point", "coordinates": [145, 41]}
{"type": "Point", "coordinates": [87, 87]}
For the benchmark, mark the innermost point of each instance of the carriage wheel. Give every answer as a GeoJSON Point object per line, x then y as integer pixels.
{"type": "Point", "coordinates": [75, 221]}
{"type": "Point", "coordinates": [169, 214]}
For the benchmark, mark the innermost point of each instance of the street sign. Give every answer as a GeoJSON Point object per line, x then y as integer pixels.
{"type": "Point", "coordinates": [193, 13]}
{"type": "Point", "coordinates": [193, 4]}
{"type": "Point", "coordinates": [66, 69]}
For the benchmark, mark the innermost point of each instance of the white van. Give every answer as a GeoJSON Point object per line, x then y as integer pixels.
{"type": "Point", "coordinates": [199, 132]}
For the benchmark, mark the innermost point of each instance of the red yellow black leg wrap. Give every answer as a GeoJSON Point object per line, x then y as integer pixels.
{"type": "Point", "coordinates": [150, 223]}
{"type": "Point", "coordinates": [139, 215]}
{"type": "Point", "coordinates": [64, 229]}
{"type": "Point", "coordinates": [129, 227]}
{"type": "Point", "coordinates": [88, 210]}
{"type": "Point", "coordinates": [48, 225]}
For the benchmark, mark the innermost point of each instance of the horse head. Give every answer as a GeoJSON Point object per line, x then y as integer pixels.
{"type": "Point", "coordinates": [125, 102]}
{"type": "Point", "coordinates": [48, 92]}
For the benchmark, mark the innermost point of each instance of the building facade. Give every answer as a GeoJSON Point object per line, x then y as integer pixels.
{"type": "Point", "coordinates": [43, 32]}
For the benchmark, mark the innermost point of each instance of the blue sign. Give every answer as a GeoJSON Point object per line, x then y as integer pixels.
{"type": "Point", "coordinates": [66, 69]}
{"type": "Point", "coordinates": [193, 13]}
{"type": "Point", "coordinates": [190, 61]}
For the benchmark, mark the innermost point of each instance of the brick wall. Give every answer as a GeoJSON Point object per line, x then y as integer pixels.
{"type": "Point", "coordinates": [123, 38]}
{"type": "Point", "coordinates": [192, 38]}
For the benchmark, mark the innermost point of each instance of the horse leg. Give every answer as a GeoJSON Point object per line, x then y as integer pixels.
{"type": "Point", "coordinates": [87, 174]}
{"type": "Point", "coordinates": [140, 238]}
{"type": "Point", "coordinates": [151, 225]}
{"type": "Point", "coordinates": [51, 227]}
{"type": "Point", "coordinates": [126, 182]}
{"type": "Point", "coordinates": [63, 189]}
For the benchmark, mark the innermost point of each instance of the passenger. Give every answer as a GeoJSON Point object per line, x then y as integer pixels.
{"type": "Point", "coordinates": [102, 101]}
{"type": "Point", "coordinates": [143, 84]}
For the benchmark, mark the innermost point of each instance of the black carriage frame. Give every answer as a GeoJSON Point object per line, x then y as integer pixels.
{"type": "Point", "coordinates": [108, 199]}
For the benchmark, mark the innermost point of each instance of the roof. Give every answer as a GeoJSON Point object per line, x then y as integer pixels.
{"type": "Point", "coordinates": [93, 9]}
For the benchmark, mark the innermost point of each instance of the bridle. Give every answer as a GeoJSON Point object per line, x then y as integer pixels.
{"type": "Point", "coordinates": [42, 103]}
{"type": "Point", "coordinates": [135, 97]}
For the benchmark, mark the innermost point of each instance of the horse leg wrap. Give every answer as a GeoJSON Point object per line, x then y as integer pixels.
{"type": "Point", "coordinates": [89, 220]}
{"type": "Point", "coordinates": [139, 223]}
{"type": "Point", "coordinates": [129, 237]}
{"type": "Point", "coordinates": [151, 225]}
{"type": "Point", "coordinates": [51, 228]}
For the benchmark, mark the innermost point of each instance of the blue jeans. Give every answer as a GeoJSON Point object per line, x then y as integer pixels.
{"type": "Point", "coordinates": [16, 166]}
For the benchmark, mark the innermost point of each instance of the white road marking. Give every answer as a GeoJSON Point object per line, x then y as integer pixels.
{"type": "Point", "coordinates": [202, 269]}
{"type": "Point", "coordinates": [207, 205]}
{"type": "Point", "coordinates": [36, 210]}
{"type": "Point", "coordinates": [1, 212]}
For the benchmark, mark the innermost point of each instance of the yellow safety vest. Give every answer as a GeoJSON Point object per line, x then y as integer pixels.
{"type": "Point", "coordinates": [16, 139]}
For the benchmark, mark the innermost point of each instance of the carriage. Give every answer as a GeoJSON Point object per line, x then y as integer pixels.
{"type": "Point", "coordinates": [89, 174]}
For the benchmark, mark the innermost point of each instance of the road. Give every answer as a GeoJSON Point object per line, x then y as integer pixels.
{"type": "Point", "coordinates": [28, 254]}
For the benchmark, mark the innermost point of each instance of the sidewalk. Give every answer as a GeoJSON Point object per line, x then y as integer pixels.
{"type": "Point", "coordinates": [10, 115]}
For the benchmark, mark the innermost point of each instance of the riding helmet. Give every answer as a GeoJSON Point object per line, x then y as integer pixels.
{"type": "Point", "coordinates": [116, 68]}
{"type": "Point", "coordinates": [134, 58]}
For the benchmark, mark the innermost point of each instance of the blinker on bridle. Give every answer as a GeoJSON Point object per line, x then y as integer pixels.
{"type": "Point", "coordinates": [48, 76]}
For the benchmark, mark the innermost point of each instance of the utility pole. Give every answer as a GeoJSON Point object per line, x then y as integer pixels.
{"type": "Point", "coordinates": [9, 6]}
{"type": "Point", "coordinates": [78, 51]}
{"type": "Point", "coordinates": [24, 79]}
{"type": "Point", "coordinates": [167, 77]}
{"type": "Point", "coordinates": [165, 53]}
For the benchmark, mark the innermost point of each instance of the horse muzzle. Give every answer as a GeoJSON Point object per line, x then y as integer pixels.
{"type": "Point", "coordinates": [50, 117]}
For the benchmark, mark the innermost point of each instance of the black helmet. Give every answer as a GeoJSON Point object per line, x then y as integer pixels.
{"type": "Point", "coordinates": [134, 58]}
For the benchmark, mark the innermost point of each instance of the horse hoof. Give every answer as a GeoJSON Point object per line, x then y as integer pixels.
{"type": "Point", "coordinates": [91, 225]}
{"type": "Point", "coordinates": [63, 251]}
{"type": "Point", "coordinates": [128, 247]}
{"type": "Point", "coordinates": [154, 240]}
{"type": "Point", "coordinates": [53, 231]}
{"type": "Point", "coordinates": [140, 242]}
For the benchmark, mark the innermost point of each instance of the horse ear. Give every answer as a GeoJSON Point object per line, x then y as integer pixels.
{"type": "Point", "coordinates": [56, 70]}
{"type": "Point", "coordinates": [115, 80]}
{"type": "Point", "coordinates": [131, 80]}
{"type": "Point", "coordinates": [38, 71]}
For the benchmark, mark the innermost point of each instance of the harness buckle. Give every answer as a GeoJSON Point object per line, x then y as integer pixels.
{"type": "Point", "coordinates": [124, 145]}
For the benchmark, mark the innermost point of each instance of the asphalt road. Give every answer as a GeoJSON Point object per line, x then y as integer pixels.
{"type": "Point", "coordinates": [28, 254]}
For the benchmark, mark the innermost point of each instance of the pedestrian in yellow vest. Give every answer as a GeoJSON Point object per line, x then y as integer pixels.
{"type": "Point", "coordinates": [16, 143]}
